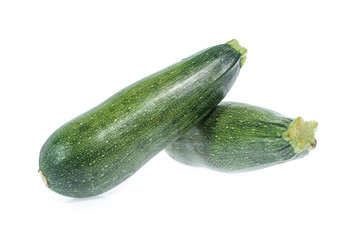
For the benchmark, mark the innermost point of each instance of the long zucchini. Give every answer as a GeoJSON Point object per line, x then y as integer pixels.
{"type": "Point", "coordinates": [242, 137]}
{"type": "Point", "coordinates": [103, 147]}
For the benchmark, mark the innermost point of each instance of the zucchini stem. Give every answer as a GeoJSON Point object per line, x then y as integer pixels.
{"type": "Point", "coordinates": [236, 45]}
{"type": "Point", "coordinates": [301, 135]}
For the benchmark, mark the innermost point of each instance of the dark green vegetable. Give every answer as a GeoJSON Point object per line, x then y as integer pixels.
{"type": "Point", "coordinates": [241, 137]}
{"type": "Point", "coordinates": [104, 146]}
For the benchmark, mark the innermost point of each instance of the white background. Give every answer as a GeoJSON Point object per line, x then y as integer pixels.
{"type": "Point", "coordinates": [60, 58]}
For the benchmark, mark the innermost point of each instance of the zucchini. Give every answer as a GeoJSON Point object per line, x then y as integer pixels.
{"type": "Point", "coordinates": [241, 137]}
{"type": "Point", "coordinates": [101, 148]}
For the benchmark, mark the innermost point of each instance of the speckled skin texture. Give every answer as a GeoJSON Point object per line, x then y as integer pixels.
{"type": "Point", "coordinates": [104, 146]}
{"type": "Point", "coordinates": [236, 137]}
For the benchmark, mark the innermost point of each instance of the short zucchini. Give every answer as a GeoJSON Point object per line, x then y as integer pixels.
{"type": "Point", "coordinates": [242, 137]}
{"type": "Point", "coordinates": [103, 147]}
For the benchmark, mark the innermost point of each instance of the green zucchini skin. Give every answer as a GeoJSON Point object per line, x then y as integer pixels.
{"type": "Point", "coordinates": [240, 137]}
{"type": "Point", "coordinates": [101, 148]}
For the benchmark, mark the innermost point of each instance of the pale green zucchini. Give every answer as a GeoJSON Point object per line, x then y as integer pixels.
{"type": "Point", "coordinates": [241, 137]}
